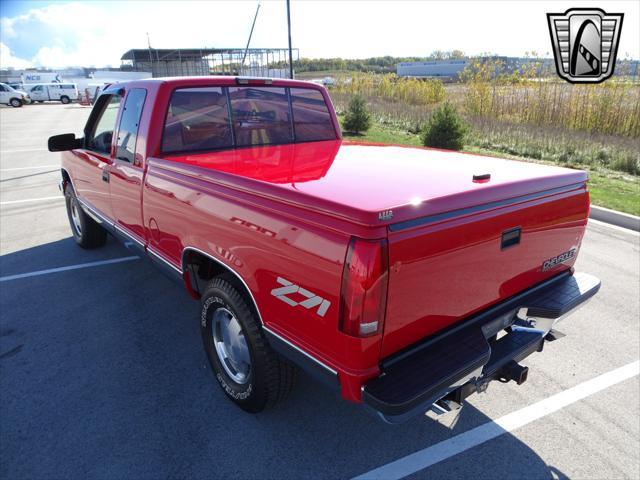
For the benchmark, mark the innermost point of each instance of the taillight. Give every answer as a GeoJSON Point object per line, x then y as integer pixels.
{"type": "Point", "coordinates": [364, 288]}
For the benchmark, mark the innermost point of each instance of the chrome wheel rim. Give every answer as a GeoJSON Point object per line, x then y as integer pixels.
{"type": "Point", "coordinates": [75, 217]}
{"type": "Point", "coordinates": [231, 345]}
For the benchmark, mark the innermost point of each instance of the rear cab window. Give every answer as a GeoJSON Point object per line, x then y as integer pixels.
{"type": "Point", "coordinates": [197, 119]}
{"type": "Point", "coordinates": [212, 118]}
{"type": "Point", "coordinates": [261, 116]}
{"type": "Point", "coordinates": [311, 117]}
{"type": "Point", "coordinates": [129, 123]}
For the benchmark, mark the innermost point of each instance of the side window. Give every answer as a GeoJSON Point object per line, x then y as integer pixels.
{"type": "Point", "coordinates": [37, 88]}
{"type": "Point", "coordinates": [2, 89]}
{"type": "Point", "coordinates": [101, 131]}
{"type": "Point", "coordinates": [197, 119]}
{"type": "Point", "coordinates": [311, 117]}
{"type": "Point", "coordinates": [260, 116]}
{"type": "Point", "coordinates": [129, 122]}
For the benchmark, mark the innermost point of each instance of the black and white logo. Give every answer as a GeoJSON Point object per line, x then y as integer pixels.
{"type": "Point", "coordinates": [585, 43]}
{"type": "Point", "coordinates": [557, 260]}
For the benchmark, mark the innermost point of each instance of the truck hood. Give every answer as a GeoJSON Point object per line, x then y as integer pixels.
{"type": "Point", "coordinates": [375, 184]}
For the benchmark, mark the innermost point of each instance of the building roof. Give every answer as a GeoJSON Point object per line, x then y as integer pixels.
{"type": "Point", "coordinates": [168, 54]}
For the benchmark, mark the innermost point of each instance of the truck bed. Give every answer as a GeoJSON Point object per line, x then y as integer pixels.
{"type": "Point", "coordinates": [358, 182]}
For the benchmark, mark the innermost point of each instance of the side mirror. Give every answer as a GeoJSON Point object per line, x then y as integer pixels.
{"type": "Point", "coordinates": [64, 142]}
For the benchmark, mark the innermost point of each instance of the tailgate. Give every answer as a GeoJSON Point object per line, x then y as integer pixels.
{"type": "Point", "coordinates": [445, 267]}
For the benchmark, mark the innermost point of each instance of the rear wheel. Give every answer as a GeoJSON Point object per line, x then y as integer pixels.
{"type": "Point", "coordinates": [249, 372]}
{"type": "Point", "coordinates": [15, 102]}
{"type": "Point", "coordinates": [64, 99]}
{"type": "Point", "coordinates": [86, 231]}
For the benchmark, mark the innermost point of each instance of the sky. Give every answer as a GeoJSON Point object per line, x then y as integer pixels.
{"type": "Point", "coordinates": [96, 33]}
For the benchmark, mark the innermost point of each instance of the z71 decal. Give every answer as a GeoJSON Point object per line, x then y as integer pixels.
{"type": "Point", "coordinates": [312, 300]}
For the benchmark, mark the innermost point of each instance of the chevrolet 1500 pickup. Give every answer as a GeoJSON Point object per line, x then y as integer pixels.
{"type": "Point", "coordinates": [406, 278]}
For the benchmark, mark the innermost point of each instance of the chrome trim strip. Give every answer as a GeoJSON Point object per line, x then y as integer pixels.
{"type": "Point", "coordinates": [197, 250]}
{"type": "Point", "coordinates": [416, 222]}
{"type": "Point", "coordinates": [94, 213]}
{"type": "Point", "coordinates": [298, 349]}
{"type": "Point", "coordinates": [160, 257]}
{"type": "Point", "coordinates": [128, 235]}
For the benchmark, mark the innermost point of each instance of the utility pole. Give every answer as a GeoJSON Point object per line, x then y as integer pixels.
{"type": "Point", "coordinates": [149, 46]}
{"type": "Point", "coordinates": [250, 35]}
{"type": "Point", "coordinates": [290, 50]}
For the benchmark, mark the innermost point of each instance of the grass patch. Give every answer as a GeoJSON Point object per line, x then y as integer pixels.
{"type": "Point", "coordinates": [383, 134]}
{"type": "Point", "coordinates": [615, 193]}
{"type": "Point", "coordinates": [607, 188]}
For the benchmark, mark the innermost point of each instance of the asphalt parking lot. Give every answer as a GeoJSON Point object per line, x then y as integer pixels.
{"type": "Point", "coordinates": [102, 374]}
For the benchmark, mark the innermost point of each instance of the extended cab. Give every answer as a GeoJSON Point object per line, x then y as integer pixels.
{"type": "Point", "coordinates": [407, 278]}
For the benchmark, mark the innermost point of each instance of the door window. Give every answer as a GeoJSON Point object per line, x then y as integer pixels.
{"type": "Point", "coordinates": [101, 129]}
{"type": "Point", "coordinates": [129, 123]}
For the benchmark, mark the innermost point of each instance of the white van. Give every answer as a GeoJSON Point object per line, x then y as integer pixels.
{"type": "Point", "coordinates": [13, 97]}
{"type": "Point", "coordinates": [62, 92]}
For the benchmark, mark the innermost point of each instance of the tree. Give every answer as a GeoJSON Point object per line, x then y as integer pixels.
{"type": "Point", "coordinates": [445, 129]}
{"type": "Point", "coordinates": [357, 119]}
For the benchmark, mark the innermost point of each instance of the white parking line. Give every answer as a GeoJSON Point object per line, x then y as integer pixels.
{"type": "Point", "coordinates": [453, 446]}
{"type": "Point", "coordinates": [35, 167]}
{"type": "Point", "coordinates": [24, 150]}
{"type": "Point", "coordinates": [27, 200]}
{"type": "Point", "coordinates": [67, 268]}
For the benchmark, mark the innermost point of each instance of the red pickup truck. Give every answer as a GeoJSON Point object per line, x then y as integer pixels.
{"type": "Point", "coordinates": [406, 278]}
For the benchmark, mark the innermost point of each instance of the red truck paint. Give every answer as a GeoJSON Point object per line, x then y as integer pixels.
{"type": "Point", "coordinates": [290, 211]}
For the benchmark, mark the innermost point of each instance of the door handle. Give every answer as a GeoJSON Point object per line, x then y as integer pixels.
{"type": "Point", "coordinates": [105, 176]}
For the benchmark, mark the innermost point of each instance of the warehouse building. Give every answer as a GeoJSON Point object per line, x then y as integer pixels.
{"type": "Point", "coordinates": [442, 69]}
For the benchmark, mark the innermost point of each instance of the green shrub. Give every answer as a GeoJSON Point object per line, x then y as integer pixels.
{"type": "Point", "coordinates": [445, 129]}
{"type": "Point", "coordinates": [357, 119]}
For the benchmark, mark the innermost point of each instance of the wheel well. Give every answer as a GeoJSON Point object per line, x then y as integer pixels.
{"type": "Point", "coordinates": [202, 269]}
{"type": "Point", "coordinates": [65, 178]}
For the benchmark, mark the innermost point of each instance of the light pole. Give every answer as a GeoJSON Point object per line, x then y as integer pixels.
{"type": "Point", "coordinates": [290, 50]}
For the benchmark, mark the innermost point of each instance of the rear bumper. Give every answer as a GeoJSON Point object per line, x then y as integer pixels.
{"type": "Point", "coordinates": [443, 370]}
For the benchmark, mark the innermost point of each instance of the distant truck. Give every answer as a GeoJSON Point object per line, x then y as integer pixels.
{"type": "Point", "coordinates": [406, 278]}
{"type": "Point", "coordinates": [58, 92]}
{"type": "Point", "coordinates": [11, 96]}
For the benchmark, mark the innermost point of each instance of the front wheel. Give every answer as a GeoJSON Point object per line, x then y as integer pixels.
{"type": "Point", "coordinates": [15, 102]}
{"type": "Point", "coordinates": [86, 231]}
{"type": "Point", "coordinates": [65, 100]}
{"type": "Point", "coordinates": [249, 372]}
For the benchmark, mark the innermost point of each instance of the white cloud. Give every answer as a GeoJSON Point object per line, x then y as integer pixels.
{"type": "Point", "coordinates": [8, 60]}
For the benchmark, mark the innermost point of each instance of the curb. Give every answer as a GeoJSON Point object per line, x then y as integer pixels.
{"type": "Point", "coordinates": [613, 217]}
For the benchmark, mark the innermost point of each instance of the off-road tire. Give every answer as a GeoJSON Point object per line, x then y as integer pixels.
{"type": "Point", "coordinates": [90, 234]}
{"type": "Point", "coordinates": [271, 377]}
